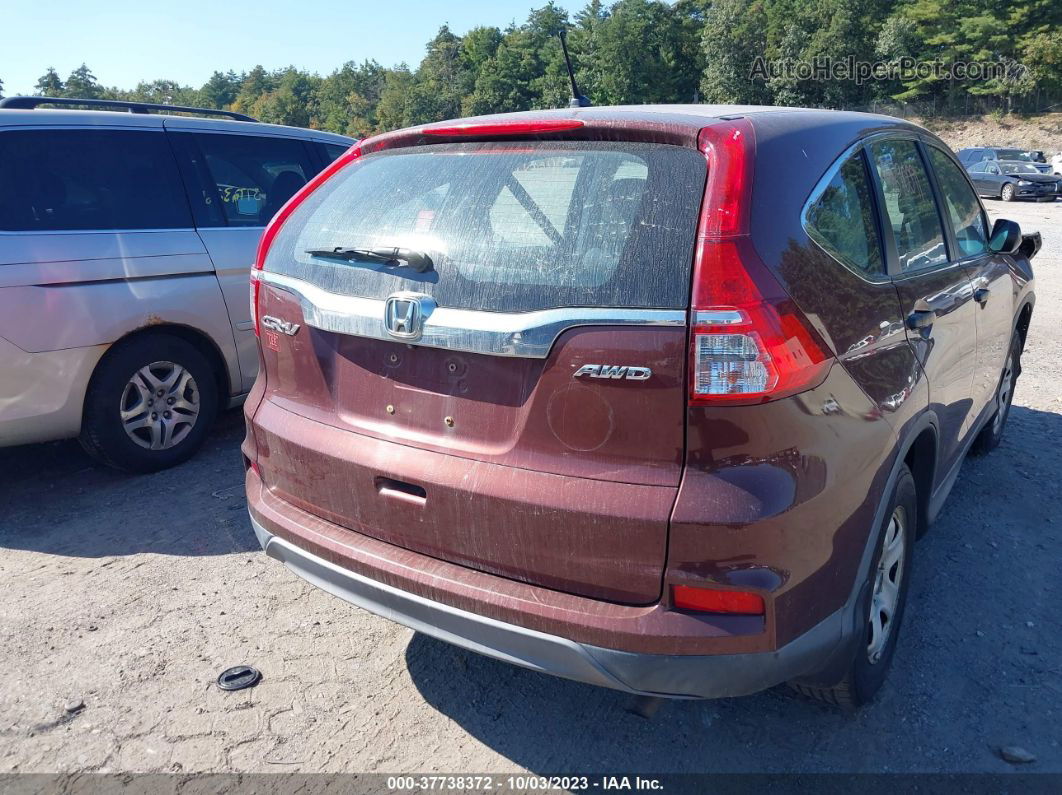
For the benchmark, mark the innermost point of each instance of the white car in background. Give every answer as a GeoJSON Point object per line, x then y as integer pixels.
{"type": "Point", "coordinates": [126, 243]}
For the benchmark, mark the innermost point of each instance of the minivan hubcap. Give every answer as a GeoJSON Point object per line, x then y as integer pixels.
{"type": "Point", "coordinates": [887, 579]}
{"type": "Point", "coordinates": [160, 405]}
{"type": "Point", "coordinates": [1006, 386]}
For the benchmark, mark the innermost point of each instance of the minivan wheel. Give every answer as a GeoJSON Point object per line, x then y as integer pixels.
{"type": "Point", "coordinates": [150, 404]}
{"type": "Point", "coordinates": [884, 599]}
{"type": "Point", "coordinates": [1007, 194]}
{"type": "Point", "coordinates": [989, 437]}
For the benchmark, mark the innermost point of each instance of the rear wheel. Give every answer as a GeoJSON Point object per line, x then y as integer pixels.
{"type": "Point", "coordinates": [150, 404]}
{"type": "Point", "coordinates": [1007, 193]}
{"type": "Point", "coordinates": [885, 596]}
{"type": "Point", "coordinates": [989, 437]}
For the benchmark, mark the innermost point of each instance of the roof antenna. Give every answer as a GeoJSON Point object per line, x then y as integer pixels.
{"type": "Point", "coordinates": [577, 100]}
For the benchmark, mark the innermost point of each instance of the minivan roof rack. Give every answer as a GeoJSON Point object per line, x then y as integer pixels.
{"type": "Point", "coordinates": [29, 103]}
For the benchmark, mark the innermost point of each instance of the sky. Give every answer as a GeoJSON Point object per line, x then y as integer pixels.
{"type": "Point", "coordinates": [125, 42]}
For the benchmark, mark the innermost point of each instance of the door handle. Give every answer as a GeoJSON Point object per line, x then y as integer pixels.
{"type": "Point", "coordinates": [981, 295]}
{"type": "Point", "coordinates": [921, 319]}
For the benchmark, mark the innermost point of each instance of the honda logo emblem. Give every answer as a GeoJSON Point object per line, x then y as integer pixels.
{"type": "Point", "coordinates": [404, 314]}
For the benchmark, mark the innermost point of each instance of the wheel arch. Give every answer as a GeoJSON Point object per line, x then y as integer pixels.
{"type": "Point", "coordinates": [198, 339]}
{"type": "Point", "coordinates": [920, 456]}
{"type": "Point", "coordinates": [1024, 320]}
{"type": "Point", "coordinates": [918, 445]}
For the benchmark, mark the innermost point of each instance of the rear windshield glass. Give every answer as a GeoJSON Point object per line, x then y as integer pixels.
{"type": "Point", "coordinates": [1012, 154]}
{"type": "Point", "coordinates": [508, 227]}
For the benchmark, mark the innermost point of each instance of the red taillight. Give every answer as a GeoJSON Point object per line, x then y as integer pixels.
{"type": "Point", "coordinates": [749, 343]}
{"type": "Point", "coordinates": [282, 215]}
{"type": "Point", "coordinates": [711, 600]}
{"type": "Point", "coordinates": [486, 129]}
{"type": "Point", "coordinates": [256, 286]}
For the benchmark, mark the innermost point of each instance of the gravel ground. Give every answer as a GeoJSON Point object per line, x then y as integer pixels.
{"type": "Point", "coordinates": [130, 594]}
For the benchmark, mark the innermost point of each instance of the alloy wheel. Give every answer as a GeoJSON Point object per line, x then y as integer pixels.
{"type": "Point", "coordinates": [1006, 394]}
{"type": "Point", "coordinates": [160, 405]}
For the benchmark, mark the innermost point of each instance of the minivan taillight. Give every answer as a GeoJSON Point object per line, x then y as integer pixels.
{"type": "Point", "coordinates": [282, 215]}
{"type": "Point", "coordinates": [749, 343]}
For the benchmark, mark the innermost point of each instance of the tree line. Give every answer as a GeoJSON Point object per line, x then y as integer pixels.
{"type": "Point", "coordinates": [648, 51]}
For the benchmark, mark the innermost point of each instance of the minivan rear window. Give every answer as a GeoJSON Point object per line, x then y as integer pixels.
{"type": "Point", "coordinates": [508, 226]}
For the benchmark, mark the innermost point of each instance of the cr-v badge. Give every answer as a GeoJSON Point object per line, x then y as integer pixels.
{"type": "Point", "coordinates": [283, 326]}
{"type": "Point", "coordinates": [613, 371]}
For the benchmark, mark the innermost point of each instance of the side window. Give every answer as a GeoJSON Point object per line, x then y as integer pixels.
{"type": "Point", "coordinates": [333, 151]}
{"type": "Point", "coordinates": [841, 219]}
{"type": "Point", "coordinates": [253, 175]}
{"type": "Point", "coordinates": [909, 205]}
{"type": "Point", "coordinates": [964, 210]}
{"type": "Point", "coordinates": [992, 168]}
{"type": "Point", "coordinates": [89, 180]}
{"type": "Point", "coordinates": [977, 168]}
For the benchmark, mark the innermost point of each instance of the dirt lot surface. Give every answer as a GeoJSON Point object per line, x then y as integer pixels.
{"type": "Point", "coordinates": [1043, 132]}
{"type": "Point", "coordinates": [130, 595]}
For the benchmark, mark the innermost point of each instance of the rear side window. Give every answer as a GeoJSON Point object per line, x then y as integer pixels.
{"type": "Point", "coordinates": [909, 205]}
{"type": "Point", "coordinates": [964, 210]}
{"type": "Point", "coordinates": [333, 151]}
{"type": "Point", "coordinates": [842, 221]}
{"type": "Point", "coordinates": [510, 227]}
{"type": "Point", "coordinates": [252, 176]}
{"type": "Point", "coordinates": [55, 180]}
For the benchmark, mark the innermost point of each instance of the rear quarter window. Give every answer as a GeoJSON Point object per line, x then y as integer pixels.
{"type": "Point", "coordinates": [510, 226]}
{"type": "Point", "coordinates": [841, 219]}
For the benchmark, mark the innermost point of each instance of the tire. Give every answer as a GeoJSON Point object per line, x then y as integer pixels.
{"type": "Point", "coordinates": [1006, 193]}
{"type": "Point", "coordinates": [122, 393]}
{"type": "Point", "coordinates": [989, 437]}
{"type": "Point", "coordinates": [875, 648]}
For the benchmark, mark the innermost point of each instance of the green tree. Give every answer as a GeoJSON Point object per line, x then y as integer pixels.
{"type": "Point", "coordinates": [735, 35]}
{"type": "Point", "coordinates": [292, 102]}
{"type": "Point", "coordinates": [439, 81]}
{"type": "Point", "coordinates": [49, 84]}
{"type": "Point", "coordinates": [1042, 55]}
{"type": "Point", "coordinates": [255, 83]}
{"type": "Point", "coordinates": [642, 54]}
{"type": "Point", "coordinates": [220, 90]}
{"type": "Point", "coordinates": [163, 92]}
{"type": "Point", "coordinates": [82, 84]}
{"type": "Point", "coordinates": [391, 109]}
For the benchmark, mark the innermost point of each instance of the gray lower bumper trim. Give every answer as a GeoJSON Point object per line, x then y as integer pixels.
{"type": "Point", "coordinates": [676, 676]}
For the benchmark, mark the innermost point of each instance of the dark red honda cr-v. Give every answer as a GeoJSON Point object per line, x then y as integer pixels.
{"type": "Point", "coordinates": [656, 398]}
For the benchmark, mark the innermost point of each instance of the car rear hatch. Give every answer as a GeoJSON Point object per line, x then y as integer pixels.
{"type": "Point", "coordinates": [517, 407]}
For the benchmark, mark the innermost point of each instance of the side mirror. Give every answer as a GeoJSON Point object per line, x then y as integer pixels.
{"type": "Point", "coordinates": [1030, 244]}
{"type": "Point", "coordinates": [1006, 237]}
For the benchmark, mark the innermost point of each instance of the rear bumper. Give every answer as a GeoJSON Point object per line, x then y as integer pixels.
{"type": "Point", "coordinates": [42, 394]}
{"type": "Point", "coordinates": [670, 675]}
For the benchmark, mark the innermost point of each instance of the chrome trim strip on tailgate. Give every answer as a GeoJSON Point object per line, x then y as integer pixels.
{"type": "Point", "coordinates": [524, 334]}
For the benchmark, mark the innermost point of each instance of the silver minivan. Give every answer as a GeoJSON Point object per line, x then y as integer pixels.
{"type": "Point", "coordinates": [126, 241]}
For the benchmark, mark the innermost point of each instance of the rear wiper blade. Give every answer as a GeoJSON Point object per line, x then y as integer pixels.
{"type": "Point", "coordinates": [389, 255]}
